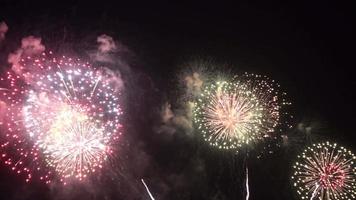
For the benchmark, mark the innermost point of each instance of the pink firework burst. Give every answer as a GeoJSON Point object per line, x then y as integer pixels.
{"type": "Point", "coordinates": [62, 115]}
{"type": "Point", "coordinates": [325, 171]}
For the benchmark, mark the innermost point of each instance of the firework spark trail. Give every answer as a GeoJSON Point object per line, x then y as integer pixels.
{"type": "Point", "coordinates": [325, 171]}
{"type": "Point", "coordinates": [148, 191]}
{"type": "Point", "coordinates": [68, 114]}
{"type": "Point", "coordinates": [315, 191]}
{"type": "Point", "coordinates": [247, 186]}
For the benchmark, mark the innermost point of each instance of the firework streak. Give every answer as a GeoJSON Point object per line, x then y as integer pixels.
{"type": "Point", "coordinates": [325, 171]}
{"type": "Point", "coordinates": [62, 116]}
{"type": "Point", "coordinates": [147, 189]}
{"type": "Point", "coordinates": [243, 111]}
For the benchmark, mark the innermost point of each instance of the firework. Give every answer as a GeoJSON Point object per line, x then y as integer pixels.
{"type": "Point", "coordinates": [325, 171]}
{"type": "Point", "coordinates": [243, 111]}
{"type": "Point", "coordinates": [67, 113]}
{"type": "Point", "coordinates": [19, 153]}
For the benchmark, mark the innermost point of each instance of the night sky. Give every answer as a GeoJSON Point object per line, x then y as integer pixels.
{"type": "Point", "coordinates": [307, 47]}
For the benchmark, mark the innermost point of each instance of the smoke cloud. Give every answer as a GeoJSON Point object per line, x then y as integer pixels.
{"type": "Point", "coordinates": [115, 78]}
{"type": "Point", "coordinates": [3, 29]}
{"type": "Point", "coordinates": [29, 46]}
{"type": "Point", "coordinates": [3, 107]}
{"type": "Point", "coordinates": [181, 118]}
{"type": "Point", "coordinates": [108, 50]}
{"type": "Point", "coordinates": [111, 53]}
{"type": "Point", "coordinates": [106, 44]}
{"type": "Point", "coordinates": [193, 84]}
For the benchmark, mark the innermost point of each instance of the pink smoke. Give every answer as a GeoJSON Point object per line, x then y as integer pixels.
{"type": "Point", "coordinates": [3, 29]}
{"type": "Point", "coordinates": [3, 107]}
{"type": "Point", "coordinates": [106, 44]}
{"type": "Point", "coordinates": [115, 79]}
{"type": "Point", "coordinates": [29, 46]}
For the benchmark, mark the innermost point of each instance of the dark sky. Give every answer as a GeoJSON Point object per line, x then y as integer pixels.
{"type": "Point", "coordinates": [308, 47]}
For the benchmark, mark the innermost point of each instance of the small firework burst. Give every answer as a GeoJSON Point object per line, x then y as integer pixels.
{"type": "Point", "coordinates": [66, 111]}
{"type": "Point", "coordinates": [325, 171]}
{"type": "Point", "coordinates": [243, 111]}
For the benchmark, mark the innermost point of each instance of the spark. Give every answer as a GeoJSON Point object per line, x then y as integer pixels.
{"type": "Point", "coordinates": [325, 171]}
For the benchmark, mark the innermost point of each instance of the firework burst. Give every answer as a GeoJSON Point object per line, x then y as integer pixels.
{"type": "Point", "coordinates": [243, 111]}
{"type": "Point", "coordinates": [325, 171]}
{"type": "Point", "coordinates": [66, 112]}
